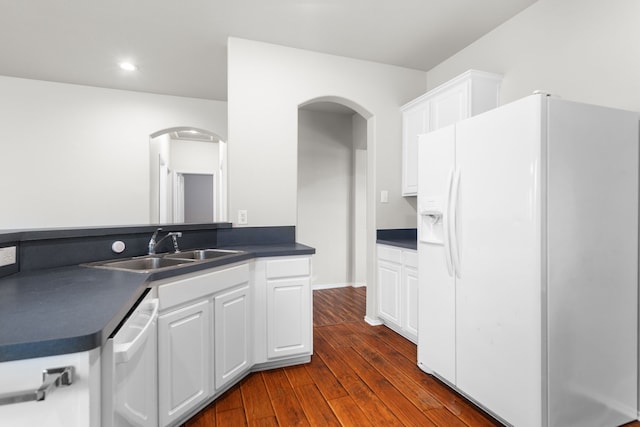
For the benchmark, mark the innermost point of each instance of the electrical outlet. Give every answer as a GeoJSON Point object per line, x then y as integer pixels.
{"type": "Point", "coordinates": [7, 256]}
{"type": "Point", "coordinates": [242, 217]}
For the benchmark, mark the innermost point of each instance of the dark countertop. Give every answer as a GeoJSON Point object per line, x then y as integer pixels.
{"type": "Point", "coordinates": [72, 309]}
{"type": "Point", "coordinates": [401, 237]}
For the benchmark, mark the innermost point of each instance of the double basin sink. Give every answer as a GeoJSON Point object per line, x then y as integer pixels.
{"type": "Point", "coordinates": [150, 263]}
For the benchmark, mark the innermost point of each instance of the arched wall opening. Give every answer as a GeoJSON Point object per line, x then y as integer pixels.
{"type": "Point", "coordinates": [267, 84]}
{"type": "Point", "coordinates": [332, 189]}
{"type": "Point", "coordinates": [187, 176]}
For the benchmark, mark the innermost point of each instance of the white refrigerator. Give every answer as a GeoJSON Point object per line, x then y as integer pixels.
{"type": "Point", "coordinates": [528, 262]}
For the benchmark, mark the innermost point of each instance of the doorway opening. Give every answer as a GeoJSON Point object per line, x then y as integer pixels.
{"type": "Point", "coordinates": [188, 176]}
{"type": "Point", "coordinates": [332, 191]}
{"type": "Point", "coordinates": [194, 197]}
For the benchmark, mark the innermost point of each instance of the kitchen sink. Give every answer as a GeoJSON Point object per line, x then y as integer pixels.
{"type": "Point", "coordinates": [142, 264]}
{"type": "Point", "coordinates": [149, 263]}
{"type": "Point", "coordinates": [201, 254]}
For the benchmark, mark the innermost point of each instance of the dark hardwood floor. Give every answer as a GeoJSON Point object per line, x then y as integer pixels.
{"type": "Point", "coordinates": [359, 375]}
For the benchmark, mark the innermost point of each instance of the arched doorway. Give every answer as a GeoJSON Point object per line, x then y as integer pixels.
{"type": "Point", "coordinates": [188, 181]}
{"type": "Point", "coordinates": [332, 189]}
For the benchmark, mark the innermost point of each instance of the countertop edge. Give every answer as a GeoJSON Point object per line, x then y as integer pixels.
{"type": "Point", "coordinates": [399, 243]}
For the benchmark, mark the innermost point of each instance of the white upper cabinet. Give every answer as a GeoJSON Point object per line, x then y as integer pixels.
{"type": "Point", "coordinates": [471, 93]}
{"type": "Point", "coordinates": [415, 121]}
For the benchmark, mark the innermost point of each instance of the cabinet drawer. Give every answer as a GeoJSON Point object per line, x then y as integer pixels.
{"type": "Point", "coordinates": [390, 253]}
{"type": "Point", "coordinates": [201, 284]}
{"type": "Point", "coordinates": [288, 267]}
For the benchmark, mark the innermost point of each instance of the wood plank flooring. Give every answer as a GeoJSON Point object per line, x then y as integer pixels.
{"type": "Point", "coordinates": [359, 375]}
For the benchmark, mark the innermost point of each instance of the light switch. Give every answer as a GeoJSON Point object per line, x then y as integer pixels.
{"type": "Point", "coordinates": [384, 196]}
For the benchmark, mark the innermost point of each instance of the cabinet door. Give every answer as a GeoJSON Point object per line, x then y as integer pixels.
{"type": "Point", "coordinates": [232, 325]}
{"type": "Point", "coordinates": [414, 123]}
{"type": "Point", "coordinates": [289, 321]}
{"type": "Point", "coordinates": [389, 280]}
{"type": "Point", "coordinates": [449, 107]}
{"type": "Point", "coordinates": [184, 355]}
{"type": "Point", "coordinates": [410, 321]}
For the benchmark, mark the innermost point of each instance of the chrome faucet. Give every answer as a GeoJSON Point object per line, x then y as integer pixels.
{"type": "Point", "coordinates": [153, 243]}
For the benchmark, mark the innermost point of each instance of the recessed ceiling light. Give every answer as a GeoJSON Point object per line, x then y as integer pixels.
{"type": "Point", "coordinates": [128, 66]}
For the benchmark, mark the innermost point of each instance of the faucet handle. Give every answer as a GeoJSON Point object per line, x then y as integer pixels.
{"type": "Point", "coordinates": [174, 239]}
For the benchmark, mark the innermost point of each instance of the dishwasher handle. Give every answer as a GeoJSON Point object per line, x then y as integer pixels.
{"type": "Point", "coordinates": [123, 352]}
{"type": "Point", "coordinates": [51, 379]}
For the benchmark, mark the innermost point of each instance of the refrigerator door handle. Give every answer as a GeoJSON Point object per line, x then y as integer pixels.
{"type": "Point", "coordinates": [455, 246]}
{"type": "Point", "coordinates": [445, 225]}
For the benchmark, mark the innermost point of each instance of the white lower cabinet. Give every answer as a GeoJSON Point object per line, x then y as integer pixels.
{"type": "Point", "coordinates": [204, 338]}
{"type": "Point", "coordinates": [283, 309]}
{"type": "Point", "coordinates": [288, 316]}
{"type": "Point", "coordinates": [389, 294]}
{"type": "Point", "coordinates": [184, 359]}
{"type": "Point", "coordinates": [232, 334]}
{"type": "Point", "coordinates": [410, 281]}
{"type": "Point", "coordinates": [398, 289]}
{"type": "Point", "coordinates": [216, 325]}
{"type": "Point", "coordinates": [213, 327]}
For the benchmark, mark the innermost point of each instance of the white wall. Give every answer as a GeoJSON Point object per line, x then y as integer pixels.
{"type": "Point", "coordinates": [325, 170]}
{"type": "Point", "coordinates": [581, 50]}
{"type": "Point", "coordinates": [266, 85]}
{"type": "Point", "coordinates": [78, 156]}
{"type": "Point", "coordinates": [159, 152]}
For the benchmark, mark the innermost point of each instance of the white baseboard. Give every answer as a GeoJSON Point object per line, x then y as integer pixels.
{"type": "Point", "coordinates": [372, 321]}
{"type": "Point", "coordinates": [336, 285]}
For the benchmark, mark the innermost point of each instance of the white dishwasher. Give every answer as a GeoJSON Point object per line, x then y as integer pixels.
{"type": "Point", "coordinates": [129, 370]}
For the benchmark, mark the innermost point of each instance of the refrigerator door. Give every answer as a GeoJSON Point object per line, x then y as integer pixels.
{"type": "Point", "coordinates": [436, 293]}
{"type": "Point", "coordinates": [593, 265]}
{"type": "Point", "coordinates": [498, 235]}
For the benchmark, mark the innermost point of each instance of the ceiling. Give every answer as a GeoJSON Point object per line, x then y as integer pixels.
{"type": "Point", "coordinates": [180, 45]}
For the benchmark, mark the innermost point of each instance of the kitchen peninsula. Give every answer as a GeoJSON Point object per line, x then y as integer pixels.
{"type": "Point", "coordinates": [52, 304]}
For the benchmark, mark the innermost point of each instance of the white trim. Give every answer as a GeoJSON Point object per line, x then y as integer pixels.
{"type": "Point", "coordinates": [398, 330]}
{"type": "Point", "coordinates": [373, 322]}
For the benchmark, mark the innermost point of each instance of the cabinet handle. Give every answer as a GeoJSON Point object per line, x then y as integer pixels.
{"type": "Point", "coordinates": [51, 379]}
